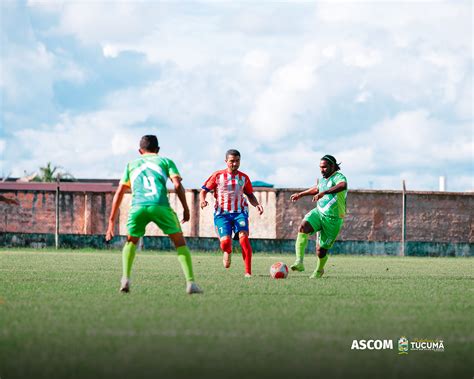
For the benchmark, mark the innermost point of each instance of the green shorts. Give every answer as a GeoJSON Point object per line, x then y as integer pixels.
{"type": "Point", "coordinates": [329, 227]}
{"type": "Point", "coordinates": [162, 215]}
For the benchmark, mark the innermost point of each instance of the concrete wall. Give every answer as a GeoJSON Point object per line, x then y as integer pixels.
{"type": "Point", "coordinates": [371, 216]}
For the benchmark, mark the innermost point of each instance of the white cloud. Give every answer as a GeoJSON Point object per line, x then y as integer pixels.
{"type": "Point", "coordinates": [464, 103]}
{"type": "Point", "coordinates": [409, 142]}
{"type": "Point", "coordinates": [359, 56]}
{"type": "Point", "coordinates": [281, 88]}
{"type": "Point", "coordinates": [81, 145]}
{"type": "Point", "coordinates": [19, 75]}
{"type": "Point", "coordinates": [123, 143]}
{"type": "Point", "coordinates": [256, 60]}
{"type": "Point", "coordinates": [110, 51]}
{"type": "Point", "coordinates": [99, 22]}
{"type": "Point", "coordinates": [363, 97]}
{"type": "Point", "coordinates": [287, 94]}
{"type": "Point", "coordinates": [46, 6]}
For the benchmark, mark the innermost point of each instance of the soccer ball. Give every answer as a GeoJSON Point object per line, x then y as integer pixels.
{"type": "Point", "coordinates": [279, 270]}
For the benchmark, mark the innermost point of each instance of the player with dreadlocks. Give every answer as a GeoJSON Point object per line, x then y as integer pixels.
{"type": "Point", "coordinates": [328, 216]}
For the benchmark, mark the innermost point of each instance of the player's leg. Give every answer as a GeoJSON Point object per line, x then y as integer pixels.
{"type": "Point", "coordinates": [128, 256]}
{"type": "Point", "coordinates": [329, 232]}
{"type": "Point", "coordinates": [184, 258]}
{"type": "Point", "coordinates": [223, 224]}
{"type": "Point", "coordinates": [136, 224]}
{"type": "Point", "coordinates": [322, 258]}
{"type": "Point", "coordinates": [308, 226]}
{"type": "Point", "coordinates": [304, 232]}
{"type": "Point", "coordinates": [246, 252]}
{"type": "Point", "coordinates": [241, 227]}
{"type": "Point", "coordinates": [167, 220]}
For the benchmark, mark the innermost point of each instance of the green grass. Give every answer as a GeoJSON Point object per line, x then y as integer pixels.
{"type": "Point", "coordinates": [61, 316]}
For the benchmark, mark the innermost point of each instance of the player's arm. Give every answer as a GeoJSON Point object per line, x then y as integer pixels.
{"type": "Point", "coordinates": [122, 188]}
{"type": "Point", "coordinates": [253, 200]}
{"type": "Point", "coordinates": [341, 186]}
{"type": "Point", "coordinates": [202, 198]}
{"type": "Point", "coordinates": [181, 196]}
{"type": "Point", "coordinates": [248, 191]}
{"type": "Point", "coordinates": [308, 192]}
{"type": "Point", "coordinates": [209, 185]}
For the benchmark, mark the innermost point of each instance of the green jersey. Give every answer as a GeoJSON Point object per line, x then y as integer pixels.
{"type": "Point", "coordinates": [147, 178]}
{"type": "Point", "coordinates": [334, 204]}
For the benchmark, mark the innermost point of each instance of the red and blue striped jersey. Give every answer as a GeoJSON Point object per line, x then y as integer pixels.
{"type": "Point", "coordinates": [229, 190]}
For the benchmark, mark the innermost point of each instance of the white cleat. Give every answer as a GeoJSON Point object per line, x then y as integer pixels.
{"type": "Point", "coordinates": [247, 275]}
{"type": "Point", "coordinates": [192, 287]}
{"type": "Point", "coordinates": [226, 260]}
{"type": "Point", "coordinates": [125, 285]}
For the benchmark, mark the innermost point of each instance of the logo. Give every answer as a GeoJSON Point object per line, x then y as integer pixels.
{"type": "Point", "coordinates": [426, 344]}
{"type": "Point", "coordinates": [242, 223]}
{"type": "Point", "coordinates": [419, 344]}
{"type": "Point", "coordinates": [403, 345]}
{"type": "Point", "coordinates": [241, 182]}
{"type": "Point", "coordinates": [371, 344]}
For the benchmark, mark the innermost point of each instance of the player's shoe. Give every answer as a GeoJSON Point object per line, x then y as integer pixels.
{"type": "Point", "coordinates": [125, 285]}
{"type": "Point", "coordinates": [297, 266]}
{"type": "Point", "coordinates": [247, 275]}
{"type": "Point", "coordinates": [192, 287]}
{"type": "Point", "coordinates": [226, 260]}
{"type": "Point", "coordinates": [317, 274]}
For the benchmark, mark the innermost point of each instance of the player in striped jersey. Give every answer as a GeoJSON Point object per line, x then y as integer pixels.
{"type": "Point", "coordinates": [231, 209]}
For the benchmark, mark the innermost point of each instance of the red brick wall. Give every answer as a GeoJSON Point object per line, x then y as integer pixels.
{"type": "Point", "coordinates": [377, 216]}
{"type": "Point", "coordinates": [371, 215]}
{"type": "Point", "coordinates": [36, 212]}
{"type": "Point", "coordinates": [440, 217]}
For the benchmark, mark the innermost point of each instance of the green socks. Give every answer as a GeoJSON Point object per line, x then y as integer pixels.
{"type": "Point", "coordinates": [300, 246]}
{"type": "Point", "coordinates": [184, 257]}
{"type": "Point", "coordinates": [128, 254]}
{"type": "Point", "coordinates": [322, 263]}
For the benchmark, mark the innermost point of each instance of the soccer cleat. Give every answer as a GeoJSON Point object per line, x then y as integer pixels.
{"type": "Point", "coordinates": [226, 260]}
{"type": "Point", "coordinates": [192, 287]}
{"type": "Point", "coordinates": [297, 266]}
{"type": "Point", "coordinates": [125, 285]}
{"type": "Point", "coordinates": [317, 274]}
{"type": "Point", "coordinates": [247, 275]}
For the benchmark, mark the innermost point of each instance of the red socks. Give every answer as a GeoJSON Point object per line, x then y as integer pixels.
{"type": "Point", "coordinates": [226, 245]}
{"type": "Point", "coordinates": [246, 253]}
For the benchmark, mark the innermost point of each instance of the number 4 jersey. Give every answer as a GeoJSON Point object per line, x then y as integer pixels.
{"type": "Point", "coordinates": [147, 178]}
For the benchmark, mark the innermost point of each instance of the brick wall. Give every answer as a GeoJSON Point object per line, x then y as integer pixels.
{"type": "Point", "coordinates": [371, 215]}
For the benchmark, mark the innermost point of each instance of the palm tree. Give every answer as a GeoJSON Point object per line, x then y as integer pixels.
{"type": "Point", "coordinates": [47, 173]}
{"type": "Point", "coordinates": [50, 173]}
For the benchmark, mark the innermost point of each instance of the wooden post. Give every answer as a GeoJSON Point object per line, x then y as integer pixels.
{"type": "Point", "coordinates": [56, 231]}
{"type": "Point", "coordinates": [87, 229]}
{"type": "Point", "coordinates": [404, 218]}
{"type": "Point", "coordinates": [195, 213]}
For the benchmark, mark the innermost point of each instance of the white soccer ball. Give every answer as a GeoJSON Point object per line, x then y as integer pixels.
{"type": "Point", "coordinates": [279, 270]}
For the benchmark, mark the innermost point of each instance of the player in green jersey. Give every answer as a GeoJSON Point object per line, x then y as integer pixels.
{"type": "Point", "coordinates": [146, 177]}
{"type": "Point", "coordinates": [328, 216]}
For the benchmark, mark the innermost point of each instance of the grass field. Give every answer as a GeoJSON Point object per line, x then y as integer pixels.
{"type": "Point", "coordinates": [61, 316]}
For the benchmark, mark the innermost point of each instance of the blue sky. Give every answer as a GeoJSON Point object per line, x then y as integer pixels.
{"type": "Point", "coordinates": [386, 87]}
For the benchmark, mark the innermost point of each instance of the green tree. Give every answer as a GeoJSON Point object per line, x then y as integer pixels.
{"type": "Point", "coordinates": [50, 173]}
